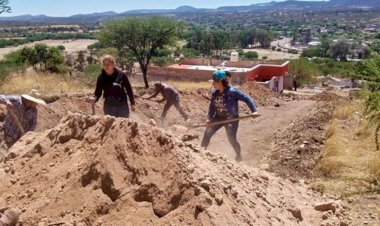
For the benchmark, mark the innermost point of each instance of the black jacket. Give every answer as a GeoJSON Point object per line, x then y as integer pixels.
{"type": "Point", "coordinates": [115, 88]}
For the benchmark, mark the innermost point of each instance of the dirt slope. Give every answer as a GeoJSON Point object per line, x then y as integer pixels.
{"type": "Point", "coordinates": [107, 171]}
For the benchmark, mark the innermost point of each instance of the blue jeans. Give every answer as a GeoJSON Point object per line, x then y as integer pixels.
{"type": "Point", "coordinates": [231, 130]}
{"type": "Point", "coordinates": [121, 111]}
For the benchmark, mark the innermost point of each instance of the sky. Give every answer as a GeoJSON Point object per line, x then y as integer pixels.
{"type": "Point", "coordinates": [71, 7]}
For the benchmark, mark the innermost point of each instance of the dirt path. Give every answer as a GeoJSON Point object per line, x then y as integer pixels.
{"type": "Point", "coordinates": [257, 136]}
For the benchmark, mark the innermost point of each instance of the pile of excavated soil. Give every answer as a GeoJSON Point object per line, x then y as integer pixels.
{"type": "Point", "coordinates": [92, 170]}
{"type": "Point", "coordinates": [327, 96]}
{"type": "Point", "coordinates": [298, 147]}
{"type": "Point", "coordinates": [261, 94]}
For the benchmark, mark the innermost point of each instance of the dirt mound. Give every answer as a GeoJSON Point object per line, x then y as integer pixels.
{"type": "Point", "coordinates": [262, 95]}
{"type": "Point", "coordinates": [298, 147]}
{"type": "Point", "coordinates": [327, 96]}
{"type": "Point", "coordinates": [92, 170]}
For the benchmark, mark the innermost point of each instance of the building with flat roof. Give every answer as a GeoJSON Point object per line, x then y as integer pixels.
{"type": "Point", "coordinates": [252, 71]}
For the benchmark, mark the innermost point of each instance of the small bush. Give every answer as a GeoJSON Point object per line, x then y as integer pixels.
{"type": "Point", "coordinates": [251, 55]}
{"type": "Point", "coordinates": [91, 72]}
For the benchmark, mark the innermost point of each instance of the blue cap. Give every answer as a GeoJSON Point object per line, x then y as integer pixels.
{"type": "Point", "coordinates": [219, 75]}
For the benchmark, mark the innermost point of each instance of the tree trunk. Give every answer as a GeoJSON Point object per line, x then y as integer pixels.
{"type": "Point", "coordinates": [144, 72]}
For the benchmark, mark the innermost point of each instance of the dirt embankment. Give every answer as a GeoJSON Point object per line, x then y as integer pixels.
{"type": "Point", "coordinates": [262, 95]}
{"type": "Point", "coordinates": [92, 170]}
{"type": "Point", "coordinates": [298, 147]}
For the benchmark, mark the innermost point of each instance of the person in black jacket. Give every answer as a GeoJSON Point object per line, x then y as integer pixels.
{"type": "Point", "coordinates": [116, 89]}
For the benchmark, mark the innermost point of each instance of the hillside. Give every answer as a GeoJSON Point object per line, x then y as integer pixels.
{"type": "Point", "coordinates": [271, 6]}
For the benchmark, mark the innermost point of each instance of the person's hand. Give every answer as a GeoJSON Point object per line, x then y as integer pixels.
{"type": "Point", "coordinates": [208, 122]}
{"type": "Point", "coordinates": [92, 100]}
{"type": "Point", "coordinates": [9, 105]}
{"type": "Point", "coordinates": [133, 108]}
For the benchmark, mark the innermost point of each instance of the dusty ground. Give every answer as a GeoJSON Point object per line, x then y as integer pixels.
{"type": "Point", "coordinates": [101, 171]}
{"type": "Point", "coordinates": [79, 151]}
{"type": "Point", "coordinates": [70, 45]}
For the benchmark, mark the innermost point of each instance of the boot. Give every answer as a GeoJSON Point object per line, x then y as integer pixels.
{"type": "Point", "coordinates": [238, 158]}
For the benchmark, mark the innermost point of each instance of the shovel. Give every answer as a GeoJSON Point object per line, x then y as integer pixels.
{"type": "Point", "coordinates": [15, 119]}
{"type": "Point", "coordinates": [93, 109]}
{"type": "Point", "coordinates": [225, 121]}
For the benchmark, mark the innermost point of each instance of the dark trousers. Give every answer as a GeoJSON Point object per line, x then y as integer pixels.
{"type": "Point", "coordinates": [121, 111]}
{"type": "Point", "coordinates": [231, 130]}
{"type": "Point", "coordinates": [177, 105]}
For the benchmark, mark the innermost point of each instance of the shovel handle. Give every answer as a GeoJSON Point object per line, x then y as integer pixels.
{"type": "Point", "coordinates": [15, 119]}
{"type": "Point", "coordinates": [225, 121]}
{"type": "Point", "coordinates": [93, 109]}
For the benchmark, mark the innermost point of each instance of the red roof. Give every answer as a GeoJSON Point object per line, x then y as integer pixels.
{"type": "Point", "coordinates": [267, 71]}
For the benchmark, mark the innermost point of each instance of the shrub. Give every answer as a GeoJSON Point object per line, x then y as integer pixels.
{"type": "Point", "coordinates": [251, 55]}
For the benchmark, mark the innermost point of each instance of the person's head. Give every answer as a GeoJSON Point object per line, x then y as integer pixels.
{"type": "Point", "coordinates": [29, 104]}
{"type": "Point", "coordinates": [158, 86]}
{"type": "Point", "coordinates": [33, 99]}
{"type": "Point", "coordinates": [108, 63]}
{"type": "Point", "coordinates": [220, 81]}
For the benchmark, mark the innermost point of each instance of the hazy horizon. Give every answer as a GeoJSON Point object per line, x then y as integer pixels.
{"type": "Point", "coordinates": [71, 7]}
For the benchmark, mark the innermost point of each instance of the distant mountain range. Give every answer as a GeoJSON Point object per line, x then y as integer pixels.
{"type": "Point", "coordinates": [270, 6]}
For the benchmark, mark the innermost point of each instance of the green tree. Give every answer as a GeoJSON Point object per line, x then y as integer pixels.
{"type": "Point", "coordinates": [41, 53]}
{"type": "Point", "coordinates": [340, 49]}
{"type": "Point", "coordinates": [367, 52]}
{"type": "Point", "coordinates": [375, 46]}
{"type": "Point", "coordinates": [91, 73]}
{"type": "Point", "coordinates": [263, 37]}
{"type": "Point", "coordinates": [54, 59]}
{"type": "Point", "coordinates": [81, 60]}
{"type": "Point", "coordinates": [62, 48]}
{"type": "Point", "coordinates": [325, 46]}
{"type": "Point", "coordinates": [251, 55]}
{"type": "Point", "coordinates": [30, 56]}
{"type": "Point", "coordinates": [312, 52]}
{"type": "Point", "coordinates": [142, 36]}
{"type": "Point", "coordinates": [305, 71]}
{"type": "Point", "coordinates": [4, 6]}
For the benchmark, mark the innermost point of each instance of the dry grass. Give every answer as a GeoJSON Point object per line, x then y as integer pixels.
{"type": "Point", "coordinates": [331, 129]}
{"type": "Point", "coordinates": [344, 111]}
{"type": "Point", "coordinates": [349, 158]}
{"type": "Point", "coordinates": [47, 84]}
{"type": "Point", "coordinates": [53, 84]}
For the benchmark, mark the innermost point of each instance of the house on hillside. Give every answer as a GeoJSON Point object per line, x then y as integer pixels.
{"type": "Point", "coordinates": [271, 75]}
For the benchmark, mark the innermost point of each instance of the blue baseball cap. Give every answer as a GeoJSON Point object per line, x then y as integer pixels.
{"type": "Point", "coordinates": [219, 75]}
